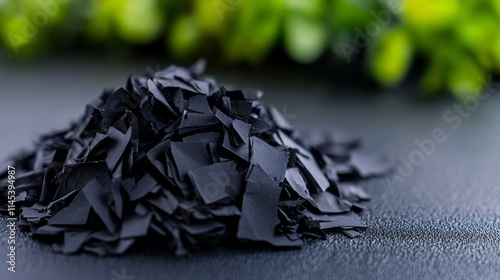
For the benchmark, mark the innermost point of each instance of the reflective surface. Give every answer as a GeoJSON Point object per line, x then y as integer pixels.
{"type": "Point", "coordinates": [442, 221]}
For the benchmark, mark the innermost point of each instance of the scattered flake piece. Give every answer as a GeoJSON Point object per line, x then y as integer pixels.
{"type": "Point", "coordinates": [370, 165]}
{"type": "Point", "coordinates": [260, 207]}
{"type": "Point", "coordinates": [199, 103]}
{"type": "Point", "coordinates": [135, 226]}
{"type": "Point", "coordinates": [144, 186]}
{"type": "Point", "coordinates": [214, 182]}
{"type": "Point", "coordinates": [272, 160]}
{"type": "Point", "coordinates": [98, 199]}
{"type": "Point", "coordinates": [77, 213]}
{"type": "Point", "coordinates": [329, 203]}
{"type": "Point", "coordinates": [353, 193]}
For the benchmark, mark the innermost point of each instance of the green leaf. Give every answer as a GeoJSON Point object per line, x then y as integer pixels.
{"type": "Point", "coordinates": [390, 56]}
{"type": "Point", "coordinates": [184, 37]}
{"type": "Point", "coordinates": [464, 77]}
{"type": "Point", "coordinates": [139, 22]}
{"type": "Point", "coordinates": [305, 39]}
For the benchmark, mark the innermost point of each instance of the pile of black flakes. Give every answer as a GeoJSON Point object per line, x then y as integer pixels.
{"type": "Point", "coordinates": [176, 158]}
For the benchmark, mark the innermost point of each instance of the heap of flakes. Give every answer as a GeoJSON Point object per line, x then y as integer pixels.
{"type": "Point", "coordinates": [175, 157]}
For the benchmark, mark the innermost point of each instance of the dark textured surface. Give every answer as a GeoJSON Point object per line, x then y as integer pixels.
{"type": "Point", "coordinates": [442, 222]}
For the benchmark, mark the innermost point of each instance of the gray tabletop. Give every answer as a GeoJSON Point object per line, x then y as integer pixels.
{"type": "Point", "coordinates": [438, 220]}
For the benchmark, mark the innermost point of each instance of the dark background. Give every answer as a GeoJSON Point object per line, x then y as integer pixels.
{"type": "Point", "coordinates": [442, 222]}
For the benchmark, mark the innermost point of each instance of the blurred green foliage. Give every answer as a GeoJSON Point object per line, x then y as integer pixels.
{"type": "Point", "coordinates": [455, 41]}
